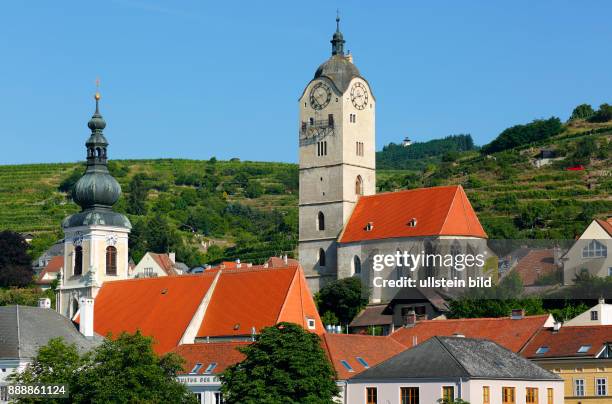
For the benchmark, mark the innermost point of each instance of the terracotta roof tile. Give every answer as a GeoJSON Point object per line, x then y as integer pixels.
{"type": "Point", "coordinates": [349, 347]}
{"type": "Point", "coordinates": [535, 264]}
{"type": "Point", "coordinates": [567, 341]}
{"type": "Point", "coordinates": [372, 315]}
{"type": "Point", "coordinates": [224, 354]}
{"type": "Point", "coordinates": [53, 267]}
{"type": "Point", "coordinates": [437, 211]}
{"type": "Point", "coordinates": [606, 225]}
{"type": "Point", "coordinates": [509, 333]}
{"type": "Point", "coordinates": [164, 261]}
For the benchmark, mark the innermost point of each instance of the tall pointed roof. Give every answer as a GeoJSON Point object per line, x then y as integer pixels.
{"type": "Point", "coordinates": [437, 211]}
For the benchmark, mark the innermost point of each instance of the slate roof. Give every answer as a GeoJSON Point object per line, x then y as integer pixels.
{"type": "Point", "coordinates": [452, 357]}
{"type": "Point", "coordinates": [438, 211]}
{"type": "Point", "coordinates": [566, 342]}
{"type": "Point", "coordinates": [24, 329]}
{"type": "Point", "coordinates": [513, 334]}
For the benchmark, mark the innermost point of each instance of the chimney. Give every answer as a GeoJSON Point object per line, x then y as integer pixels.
{"type": "Point", "coordinates": [86, 316]}
{"type": "Point", "coordinates": [410, 319]}
{"type": "Point", "coordinates": [172, 257]}
{"type": "Point", "coordinates": [44, 303]}
{"type": "Point", "coordinates": [557, 326]}
{"type": "Point", "coordinates": [238, 265]}
{"type": "Point", "coordinates": [602, 300]}
{"type": "Point", "coordinates": [349, 57]}
{"type": "Point", "coordinates": [517, 314]}
{"type": "Point", "coordinates": [285, 259]}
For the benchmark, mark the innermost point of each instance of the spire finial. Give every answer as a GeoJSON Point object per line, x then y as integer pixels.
{"type": "Point", "coordinates": [337, 20]}
{"type": "Point", "coordinates": [338, 39]}
{"type": "Point", "coordinates": [97, 95]}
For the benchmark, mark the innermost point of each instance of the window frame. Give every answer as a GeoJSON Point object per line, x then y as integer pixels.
{"type": "Point", "coordinates": [486, 394]}
{"type": "Point", "coordinates": [371, 398]}
{"type": "Point", "coordinates": [78, 261]}
{"type": "Point", "coordinates": [409, 398]}
{"type": "Point", "coordinates": [445, 391]}
{"type": "Point", "coordinates": [603, 385]}
{"type": "Point", "coordinates": [550, 395]}
{"type": "Point", "coordinates": [111, 260]}
{"type": "Point", "coordinates": [579, 386]}
{"type": "Point", "coordinates": [594, 249]}
{"type": "Point", "coordinates": [512, 395]}
{"type": "Point", "coordinates": [531, 393]}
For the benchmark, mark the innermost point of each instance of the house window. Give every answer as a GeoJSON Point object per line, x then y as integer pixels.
{"type": "Point", "coordinates": [199, 397]}
{"type": "Point", "coordinates": [356, 265]}
{"type": "Point", "coordinates": [322, 148]}
{"type": "Point", "coordinates": [594, 315]}
{"type": "Point", "coordinates": [321, 257]}
{"type": "Point", "coordinates": [359, 148]}
{"type": "Point", "coordinates": [346, 365]}
{"type": "Point", "coordinates": [111, 260]}
{"type": "Point", "coordinates": [211, 368]}
{"type": "Point", "coordinates": [409, 395]}
{"type": "Point", "coordinates": [601, 387]}
{"type": "Point", "coordinates": [78, 260]}
{"type": "Point", "coordinates": [508, 396]}
{"type": "Point", "coordinates": [148, 272]}
{"type": "Point", "coordinates": [359, 185]}
{"type": "Point", "coordinates": [321, 221]}
{"type": "Point", "coordinates": [579, 387]}
{"type": "Point", "coordinates": [371, 395]}
{"type": "Point", "coordinates": [584, 348]}
{"type": "Point", "coordinates": [531, 396]}
{"type": "Point", "coordinates": [311, 323]}
{"type": "Point", "coordinates": [550, 393]}
{"type": "Point", "coordinates": [219, 398]}
{"type": "Point", "coordinates": [196, 369]}
{"type": "Point", "coordinates": [362, 361]}
{"type": "Point", "coordinates": [610, 271]}
{"type": "Point", "coordinates": [541, 350]}
{"type": "Point", "coordinates": [594, 249]}
{"type": "Point", "coordinates": [486, 395]}
{"type": "Point", "coordinates": [448, 394]}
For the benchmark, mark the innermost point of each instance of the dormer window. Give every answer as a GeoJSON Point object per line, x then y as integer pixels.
{"type": "Point", "coordinates": [412, 222]}
{"type": "Point", "coordinates": [369, 226]}
{"type": "Point", "coordinates": [196, 369]}
{"type": "Point", "coordinates": [311, 323]}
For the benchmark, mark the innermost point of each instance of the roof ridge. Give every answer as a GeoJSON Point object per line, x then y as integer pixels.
{"type": "Point", "coordinates": [451, 354]}
{"type": "Point", "coordinates": [450, 207]}
{"type": "Point", "coordinates": [282, 306]}
{"type": "Point", "coordinates": [409, 190]}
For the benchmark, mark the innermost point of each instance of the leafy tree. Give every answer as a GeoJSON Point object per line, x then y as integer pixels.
{"type": "Point", "coordinates": [137, 195]}
{"type": "Point", "coordinates": [125, 370]}
{"type": "Point", "coordinates": [520, 135]}
{"type": "Point", "coordinates": [569, 311]}
{"type": "Point", "coordinates": [253, 190]}
{"type": "Point", "coordinates": [285, 364]}
{"type": "Point", "coordinates": [15, 263]}
{"type": "Point", "coordinates": [582, 111]}
{"type": "Point", "coordinates": [603, 114]}
{"type": "Point", "coordinates": [329, 318]}
{"type": "Point", "coordinates": [343, 297]}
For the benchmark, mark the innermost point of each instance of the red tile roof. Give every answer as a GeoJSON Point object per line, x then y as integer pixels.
{"type": "Point", "coordinates": [159, 307]}
{"type": "Point", "coordinates": [509, 333]}
{"type": "Point", "coordinates": [567, 341]}
{"type": "Point", "coordinates": [534, 265]}
{"type": "Point", "coordinates": [53, 267]}
{"type": "Point", "coordinates": [606, 225]}
{"type": "Point", "coordinates": [276, 262]}
{"type": "Point", "coordinates": [224, 354]}
{"type": "Point", "coordinates": [164, 261]}
{"type": "Point", "coordinates": [348, 347]}
{"type": "Point", "coordinates": [438, 211]}
{"type": "Point", "coordinates": [258, 297]}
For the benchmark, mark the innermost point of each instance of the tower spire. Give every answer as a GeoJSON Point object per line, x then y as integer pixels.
{"type": "Point", "coordinates": [338, 39]}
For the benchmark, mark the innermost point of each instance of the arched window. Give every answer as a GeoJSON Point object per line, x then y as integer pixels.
{"type": "Point", "coordinates": [359, 185]}
{"type": "Point", "coordinates": [98, 152]}
{"type": "Point", "coordinates": [78, 260]}
{"type": "Point", "coordinates": [321, 257]}
{"type": "Point", "coordinates": [356, 265]}
{"type": "Point", "coordinates": [74, 307]}
{"type": "Point", "coordinates": [111, 260]}
{"type": "Point", "coordinates": [321, 221]}
{"type": "Point", "coordinates": [594, 249]}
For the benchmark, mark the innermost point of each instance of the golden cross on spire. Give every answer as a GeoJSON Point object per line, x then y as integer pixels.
{"type": "Point", "coordinates": [97, 96]}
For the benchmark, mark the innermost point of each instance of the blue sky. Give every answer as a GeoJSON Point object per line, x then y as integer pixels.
{"type": "Point", "coordinates": [195, 79]}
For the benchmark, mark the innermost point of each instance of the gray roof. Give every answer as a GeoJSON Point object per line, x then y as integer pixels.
{"type": "Point", "coordinates": [97, 216]}
{"type": "Point", "coordinates": [453, 357]}
{"type": "Point", "coordinates": [24, 329]}
{"type": "Point", "coordinates": [339, 70]}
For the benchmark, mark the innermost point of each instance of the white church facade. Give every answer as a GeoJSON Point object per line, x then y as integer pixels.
{"type": "Point", "coordinates": [343, 223]}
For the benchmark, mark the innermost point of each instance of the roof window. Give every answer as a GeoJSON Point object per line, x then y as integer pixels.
{"type": "Point", "coordinates": [584, 348]}
{"type": "Point", "coordinates": [412, 222]}
{"type": "Point", "coordinates": [346, 365]}
{"type": "Point", "coordinates": [211, 367]}
{"type": "Point", "coordinates": [196, 369]}
{"type": "Point", "coordinates": [363, 362]}
{"type": "Point", "coordinates": [542, 350]}
{"type": "Point", "coordinates": [369, 226]}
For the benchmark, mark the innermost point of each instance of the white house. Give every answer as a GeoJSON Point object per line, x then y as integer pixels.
{"type": "Point", "coordinates": [589, 254]}
{"type": "Point", "coordinates": [600, 314]}
{"type": "Point", "coordinates": [152, 265]}
{"type": "Point", "coordinates": [449, 368]}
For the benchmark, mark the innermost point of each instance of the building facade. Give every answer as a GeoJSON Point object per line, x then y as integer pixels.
{"type": "Point", "coordinates": [96, 239]}
{"type": "Point", "coordinates": [589, 254]}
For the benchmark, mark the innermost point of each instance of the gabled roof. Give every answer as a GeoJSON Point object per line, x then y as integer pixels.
{"type": "Point", "coordinates": [349, 347]}
{"type": "Point", "coordinates": [437, 211]}
{"type": "Point", "coordinates": [510, 333]}
{"type": "Point", "coordinates": [606, 225]}
{"type": "Point", "coordinates": [164, 262]}
{"type": "Point", "coordinates": [224, 354]}
{"type": "Point", "coordinates": [258, 297]}
{"type": "Point", "coordinates": [566, 342]}
{"type": "Point", "coordinates": [24, 329]}
{"type": "Point", "coordinates": [372, 314]}
{"type": "Point", "coordinates": [449, 357]}
{"type": "Point", "coordinates": [535, 264]}
{"type": "Point", "coordinates": [53, 267]}
{"type": "Point", "coordinates": [159, 307]}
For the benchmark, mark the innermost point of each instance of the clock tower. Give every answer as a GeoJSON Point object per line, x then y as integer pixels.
{"type": "Point", "coordinates": [337, 158]}
{"type": "Point", "coordinates": [95, 239]}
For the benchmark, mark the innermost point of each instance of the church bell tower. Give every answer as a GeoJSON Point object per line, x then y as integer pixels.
{"type": "Point", "coordinates": [337, 158]}
{"type": "Point", "coordinates": [95, 239]}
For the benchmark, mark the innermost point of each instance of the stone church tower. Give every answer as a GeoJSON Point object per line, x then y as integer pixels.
{"type": "Point", "coordinates": [96, 239]}
{"type": "Point", "coordinates": [337, 158]}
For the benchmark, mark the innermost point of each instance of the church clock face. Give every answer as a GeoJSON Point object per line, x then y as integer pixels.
{"type": "Point", "coordinates": [320, 95]}
{"type": "Point", "coordinates": [359, 96]}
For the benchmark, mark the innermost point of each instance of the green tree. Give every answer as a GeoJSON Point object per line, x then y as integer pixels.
{"type": "Point", "coordinates": [137, 195]}
{"type": "Point", "coordinates": [285, 364]}
{"type": "Point", "coordinates": [253, 190]}
{"type": "Point", "coordinates": [582, 111]}
{"type": "Point", "coordinates": [344, 298]}
{"type": "Point", "coordinates": [520, 135]}
{"type": "Point", "coordinates": [125, 370]}
{"type": "Point", "coordinates": [15, 263]}
{"type": "Point", "coordinates": [603, 114]}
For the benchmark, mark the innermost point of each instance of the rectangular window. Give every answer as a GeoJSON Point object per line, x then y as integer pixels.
{"type": "Point", "coordinates": [371, 395]}
{"type": "Point", "coordinates": [409, 395]}
{"type": "Point", "coordinates": [219, 398]}
{"type": "Point", "coordinates": [486, 395]}
{"type": "Point", "coordinates": [579, 387]}
{"type": "Point", "coordinates": [594, 315]}
{"type": "Point", "coordinates": [508, 396]}
{"type": "Point", "coordinates": [610, 271]}
{"type": "Point", "coordinates": [198, 397]}
{"type": "Point", "coordinates": [196, 369]}
{"type": "Point", "coordinates": [448, 394]}
{"type": "Point", "coordinates": [601, 387]}
{"type": "Point", "coordinates": [531, 396]}
{"type": "Point", "coordinates": [210, 368]}
{"type": "Point", "coordinates": [551, 395]}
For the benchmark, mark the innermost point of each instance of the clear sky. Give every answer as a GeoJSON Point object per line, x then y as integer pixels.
{"type": "Point", "coordinates": [195, 79]}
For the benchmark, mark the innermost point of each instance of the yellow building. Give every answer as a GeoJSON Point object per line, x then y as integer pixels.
{"type": "Point", "coordinates": [581, 355]}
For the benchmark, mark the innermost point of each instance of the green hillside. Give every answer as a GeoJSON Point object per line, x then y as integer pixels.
{"type": "Point", "coordinates": [249, 209]}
